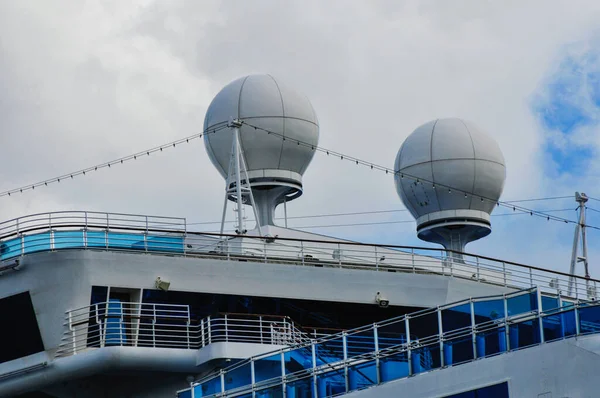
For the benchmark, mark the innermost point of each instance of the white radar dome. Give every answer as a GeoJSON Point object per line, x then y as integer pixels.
{"type": "Point", "coordinates": [275, 164]}
{"type": "Point", "coordinates": [450, 174]}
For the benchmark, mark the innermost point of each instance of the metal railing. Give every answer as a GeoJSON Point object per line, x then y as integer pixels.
{"type": "Point", "coordinates": [116, 323]}
{"type": "Point", "coordinates": [163, 235]}
{"type": "Point", "coordinates": [458, 333]}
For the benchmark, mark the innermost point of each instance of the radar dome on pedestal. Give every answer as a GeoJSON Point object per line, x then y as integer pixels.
{"type": "Point", "coordinates": [450, 174]}
{"type": "Point", "coordinates": [274, 164]}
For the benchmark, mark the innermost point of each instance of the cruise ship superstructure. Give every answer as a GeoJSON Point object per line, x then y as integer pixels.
{"type": "Point", "coordinates": [121, 305]}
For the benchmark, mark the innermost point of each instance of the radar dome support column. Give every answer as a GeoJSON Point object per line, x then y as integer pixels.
{"type": "Point", "coordinates": [237, 166]}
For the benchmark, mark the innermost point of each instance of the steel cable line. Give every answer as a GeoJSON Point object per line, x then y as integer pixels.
{"type": "Point", "coordinates": [417, 180]}
{"type": "Point", "coordinates": [359, 224]}
{"type": "Point", "coordinates": [97, 167]}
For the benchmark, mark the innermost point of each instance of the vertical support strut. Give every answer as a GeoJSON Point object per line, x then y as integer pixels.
{"type": "Point", "coordinates": [237, 167]}
{"type": "Point", "coordinates": [581, 199]}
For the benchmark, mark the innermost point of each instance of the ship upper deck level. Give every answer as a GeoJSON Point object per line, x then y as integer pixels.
{"type": "Point", "coordinates": [97, 231]}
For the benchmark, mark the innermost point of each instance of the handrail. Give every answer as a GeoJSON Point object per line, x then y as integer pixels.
{"type": "Point", "coordinates": [560, 320]}
{"type": "Point", "coordinates": [24, 235]}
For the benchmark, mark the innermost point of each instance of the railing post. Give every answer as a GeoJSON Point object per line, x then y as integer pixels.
{"type": "Point", "coordinates": [376, 259]}
{"type": "Point", "coordinates": [314, 367]}
{"type": "Point", "coordinates": [302, 251]}
{"type": "Point", "coordinates": [440, 335]}
{"type": "Point", "coordinates": [504, 273]}
{"type": "Point", "coordinates": [283, 383]}
{"type": "Point", "coordinates": [265, 251]}
{"type": "Point", "coordinates": [260, 326]}
{"type": "Point", "coordinates": [506, 326]}
{"type": "Point", "coordinates": [187, 326]}
{"type": "Point", "coordinates": [478, 270]}
{"type": "Point", "coordinates": [412, 256]}
{"type": "Point", "coordinates": [222, 381]}
{"type": "Point", "coordinates": [377, 360]}
{"type": "Point", "coordinates": [153, 325]}
{"type": "Point", "coordinates": [202, 332]}
{"type": "Point", "coordinates": [540, 319]}
{"type": "Point", "coordinates": [339, 255]}
{"type": "Point", "coordinates": [530, 277]}
{"type": "Point", "coordinates": [252, 375]}
{"type": "Point", "coordinates": [576, 311]}
{"type": "Point", "coordinates": [408, 343]}
{"type": "Point", "coordinates": [226, 330]}
{"type": "Point", "coordinates": [345, 354]}
{"type": "Point", "coordinates": [209, 330]}
{"type": "Point", "coordinates": [473, 328]}
{"type": "Point", "coordinates": [72, 333]}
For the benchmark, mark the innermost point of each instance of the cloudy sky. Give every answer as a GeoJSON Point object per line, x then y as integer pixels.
{"type": "Point", "coordinates": [84, 82]}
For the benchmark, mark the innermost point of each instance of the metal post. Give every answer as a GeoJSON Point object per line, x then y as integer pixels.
{"type": "Point", "coordinates": [209, 330]}
{"type": "Point", "coordinates": [440, 335]}
{"type": "Point", "coordinates": [314, 367]}
{"type": "Point", "coordinates": [282, 359]}
{"type": "Point", "coordinates": [478, 270]}
{"type": "Point", "coordinates": [581, 199]}
{"type": "Point", "coordinates": [376, 259]}
{"type": "Point", "coordinates": [202, 332]}
{"type": "Point", "coordinates": [377, 360]}
{"type": "Point", "coordinates": [260, 325]}
{"type": "Point", "coordinates": [412, 255]}
{"type": "Point", "coordinates": [222, 380]}
{"type": "Point", "coordinates": [238, 180]}
{"type": "Point", "coordinates": [226, 330]}
{"type": "Point", "coordinates": [345, 353]}
{"type": "Point", "coordinates": [473, 328]}
{"type": "Point", "coordinates": [540, 319]}
{"type": "Point", "coordinates": [576, 311]}
{"type": "Point", "coordinates": [530, 277]}
{"type": "Point", "coordinates": [252, 375]}
{"type": "Point", "coordinates": [408, 343]}
{"type": "Point", "coordinates": [153, 325]}
{"type": "Point", "coordinates": [506, 327]}
{"type": "Point", "coordinates": [302, 251]}
{"type": "Point", "coordinates": [285, 211]}
{"type": "Point", "coordinates": [504, 272]}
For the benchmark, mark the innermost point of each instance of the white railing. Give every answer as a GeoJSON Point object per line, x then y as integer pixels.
{"type": "Point", "coordinates": [117, 323]}
{"type": "Point", "coordinates": [139, 233]}
{"type": "Point", "coordinates": [451, 335]}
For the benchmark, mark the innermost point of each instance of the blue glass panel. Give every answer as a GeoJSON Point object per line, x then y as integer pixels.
{"type": "Point", "coordinates": [10, 248]}
{"type": "Point", "coordinates": [457, 317]}
{"type": "Point", "coordinates": [185, 394]}
{"type": "Point", "coordinates": [361, 343]}
{"type": "Point", "coordinates": [491, 341]}
{"type": "Point", "coordinates": [394, 366]}
{"type": "Point", "coordinates": [488, 310]}
{"type": "Point", "coordinates": [68, 239]}
{"type": "Point", "coordinates": [300, 388]}
{"type": "Point", "coordinates": [273, 392]}
{"type": "Point", "coordinates": [365, 375]}
{"type": "Point", "coordinates": [165, 243]}
{"type": "Point", "coordinates": [549, 303]}
{"type": "Point", "coordinates": [458, 349]}
{"type": "Point", "coordinates": [118, 240]}
{"type": "Point", "coordinates": [114, 327]}
{"type": "Point", "coordinates": [524, 334]}
{"type": "Point", "coordinates": [209, 387]}
{"type": "Point", "coordinates": [331, 382]}
{"type": "Point", "coordinates": [36, 243]}
{"type": "Point", "coordinates": [238, 377]}
{"type": "Point", "coordinates": [554, 327]}
{"type": "Point", "coordinates": [330, 351]}
{"type": "Point", "coordinates": [267, 368]}
{"type": "Point", "coordinates": [522, 303]}
{"type": "Point", "coordinates": [569, 324]}
{"type": "Point", "coordinates": [426, 358]}
{"type": "Point", "coordinates": [589, 319]}
{"type": "Point", "coordinates": [298, 360]}
{"type": "Point", "coordinates": [391, 335]}
{"type": "Point", "coordinates": [96, 238]}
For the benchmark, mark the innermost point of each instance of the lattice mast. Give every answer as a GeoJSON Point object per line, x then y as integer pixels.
{"type": "Point", "coordinates": [581, 199]}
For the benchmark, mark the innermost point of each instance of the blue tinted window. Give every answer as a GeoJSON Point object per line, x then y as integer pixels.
{"type": "Point", "coordinates": [495, 391]}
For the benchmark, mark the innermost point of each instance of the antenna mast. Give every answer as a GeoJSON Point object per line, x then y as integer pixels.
{"type": "Point", "coordinates": [581, 199]}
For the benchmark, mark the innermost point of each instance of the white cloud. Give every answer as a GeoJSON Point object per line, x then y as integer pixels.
{"type": "Point", "coordinates": [87, 82]}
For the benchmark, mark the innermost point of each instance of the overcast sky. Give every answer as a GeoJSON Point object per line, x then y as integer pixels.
{"type": "Point", "coordinates": [83, 82]}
